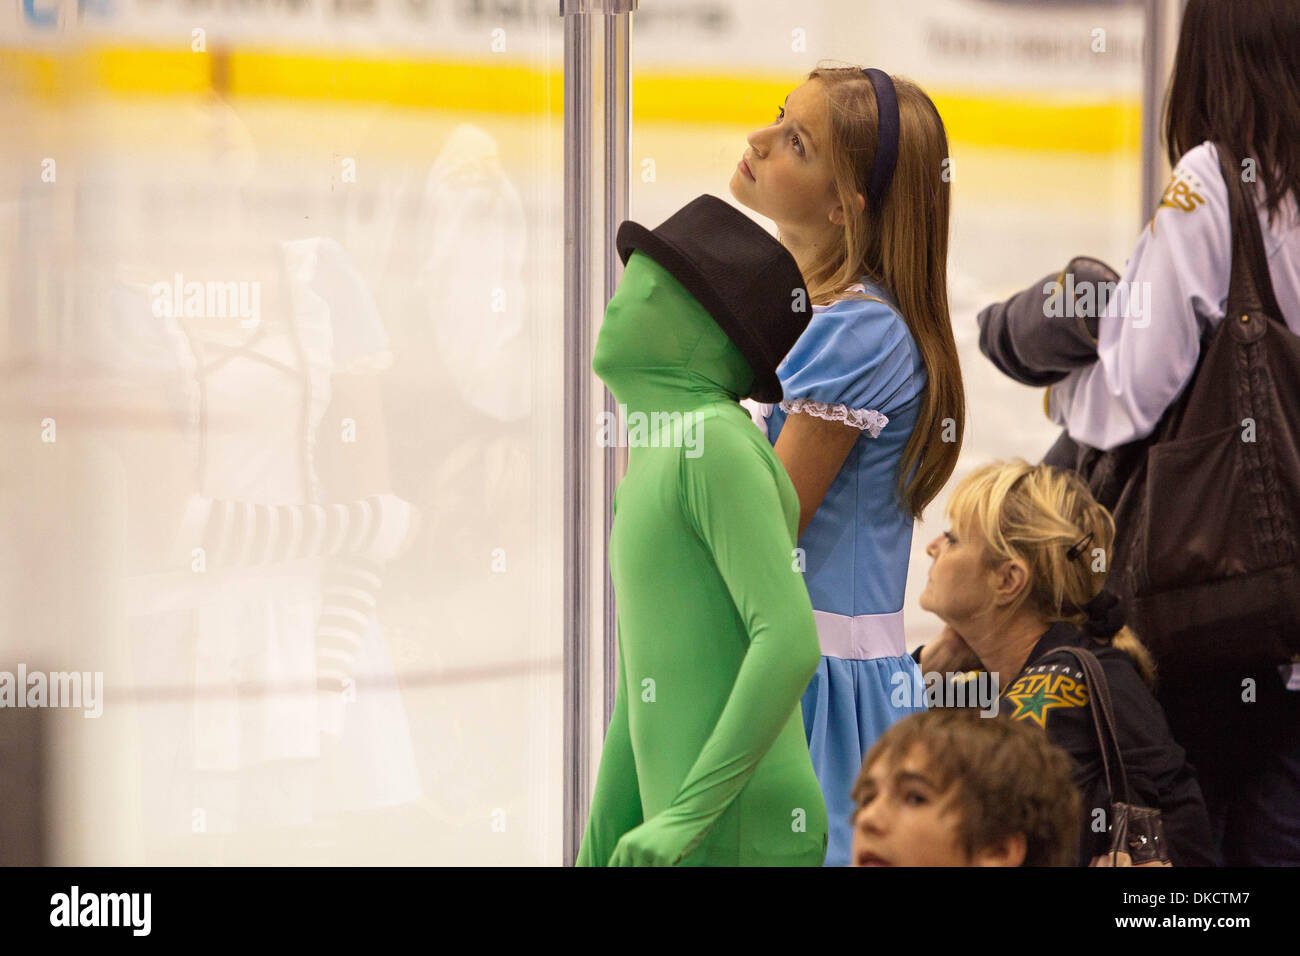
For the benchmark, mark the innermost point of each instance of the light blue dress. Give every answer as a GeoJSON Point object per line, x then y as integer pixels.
{"type": "Point", "coordinates": [857, 363]}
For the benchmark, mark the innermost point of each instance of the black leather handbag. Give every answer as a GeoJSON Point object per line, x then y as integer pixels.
{"type": "Point", "coordinates": [1137, 836]}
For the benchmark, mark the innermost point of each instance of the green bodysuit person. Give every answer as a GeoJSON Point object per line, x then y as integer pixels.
{"type": "Point", "coordinates": [705, 761]}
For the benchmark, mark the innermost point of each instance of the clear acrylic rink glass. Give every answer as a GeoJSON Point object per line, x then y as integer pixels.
{"type": "Point", "coordinates": [310, 266]}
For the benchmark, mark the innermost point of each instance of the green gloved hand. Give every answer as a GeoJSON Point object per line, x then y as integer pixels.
{"type": "Point", "coordinates": [660, 841]}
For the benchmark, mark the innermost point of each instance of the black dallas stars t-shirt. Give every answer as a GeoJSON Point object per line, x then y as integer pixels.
{"type": "Point", "coordinates": [1051, 691]}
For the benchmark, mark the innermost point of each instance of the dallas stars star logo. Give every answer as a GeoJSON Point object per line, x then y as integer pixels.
{"type": "Point", "coordinates": [1035, 697]}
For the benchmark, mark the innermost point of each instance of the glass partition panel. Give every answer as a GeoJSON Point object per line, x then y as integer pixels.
{"type": "Point", "coordinates": [281, 322]}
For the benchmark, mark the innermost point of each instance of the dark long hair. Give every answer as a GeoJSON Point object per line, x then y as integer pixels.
{"type": "Point", "coordinates": [1236, 80]}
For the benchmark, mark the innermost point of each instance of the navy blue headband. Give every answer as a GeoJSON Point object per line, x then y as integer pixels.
{"type": "Point", "coordinates": [882, 172]}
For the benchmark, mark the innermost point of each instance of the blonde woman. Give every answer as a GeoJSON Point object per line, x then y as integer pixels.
{"type": "Point", "coordinates": [1017, 577]}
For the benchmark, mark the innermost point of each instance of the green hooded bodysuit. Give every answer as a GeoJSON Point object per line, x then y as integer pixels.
{"type": "Point", "coordinates": [705, 761]}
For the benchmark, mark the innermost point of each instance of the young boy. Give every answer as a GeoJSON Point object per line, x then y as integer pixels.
{"type": "Point", "coordinates": [951, 788]}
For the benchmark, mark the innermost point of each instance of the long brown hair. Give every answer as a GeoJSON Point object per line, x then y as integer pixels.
{"type": "Point", "coordinates": [903, 246]}
{"type": "Point", "coordinates": [1236, 80]}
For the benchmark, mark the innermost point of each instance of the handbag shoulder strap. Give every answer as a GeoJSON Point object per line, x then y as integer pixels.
{"type": "Point", "coordinates": [1251, 287]}
{"type": "Point", "coordinates": [1103, 719]}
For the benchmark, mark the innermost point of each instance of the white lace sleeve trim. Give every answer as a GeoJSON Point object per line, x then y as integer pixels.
{"type": "Point", "coordinates": [866, 419]}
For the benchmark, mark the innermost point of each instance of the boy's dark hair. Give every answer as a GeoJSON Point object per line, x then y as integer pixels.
{"type": "Point", "coordinates": [1008, 777]}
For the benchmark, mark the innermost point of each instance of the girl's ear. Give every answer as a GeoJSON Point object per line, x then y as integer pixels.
{"type": "Point", "coordinates": [837, 214]}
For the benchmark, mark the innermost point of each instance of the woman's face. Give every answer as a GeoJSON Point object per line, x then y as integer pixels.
{"type": "Point", "coordinates": [790, 165]}
{"type": "Point", "coordinates": [959, 584]}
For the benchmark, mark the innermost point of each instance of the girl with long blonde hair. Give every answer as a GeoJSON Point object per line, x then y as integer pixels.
{"type": "Point", "coordinates": [854, 172]}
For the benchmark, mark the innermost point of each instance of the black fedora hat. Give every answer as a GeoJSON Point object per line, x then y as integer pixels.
{"type": "Point", "coordinates": [743, 277]}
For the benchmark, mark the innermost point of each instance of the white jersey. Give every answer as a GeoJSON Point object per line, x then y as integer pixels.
{"type": "Point", "coordinates": [1175, 283]}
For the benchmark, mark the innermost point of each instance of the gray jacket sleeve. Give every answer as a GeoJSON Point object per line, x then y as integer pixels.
{"type": "Point", "coordinates": [1037, 337]}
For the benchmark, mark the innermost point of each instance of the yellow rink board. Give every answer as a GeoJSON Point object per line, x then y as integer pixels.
{"type": "Point", "coordinates": [1012, 120]}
